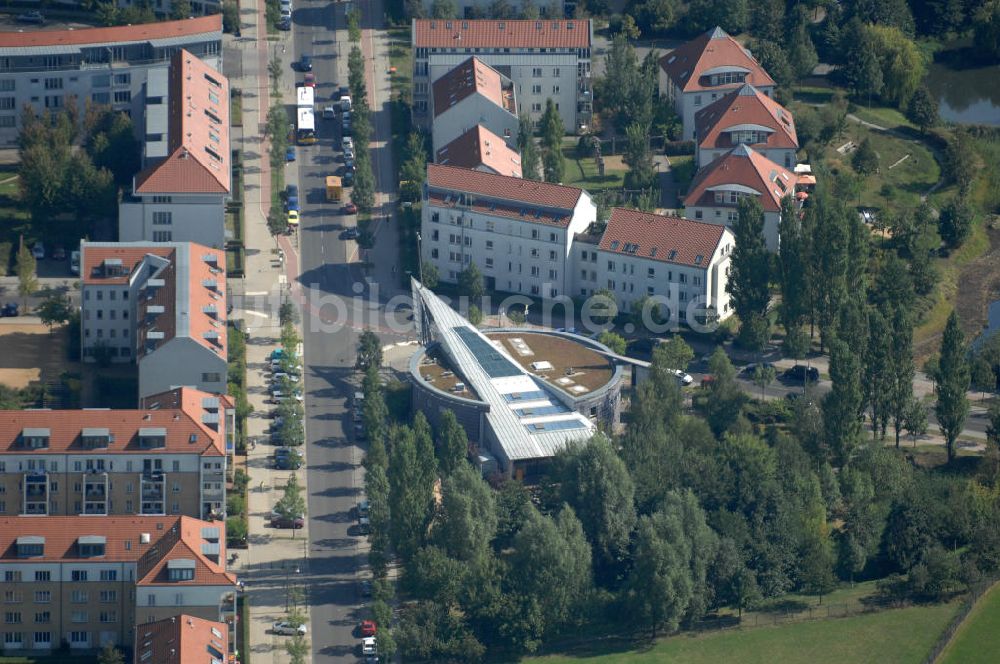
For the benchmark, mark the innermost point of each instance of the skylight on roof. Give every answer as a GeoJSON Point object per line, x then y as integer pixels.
{"type": "Point", "coordinates": [673, 254]}
{"type": "Point", "coordinates": [614, 245]}
{"type": "Point", "coordinates": [698, 259]}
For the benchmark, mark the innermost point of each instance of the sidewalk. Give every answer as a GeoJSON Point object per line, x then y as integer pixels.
{"type": "Point", "coordinates": [275, 557]}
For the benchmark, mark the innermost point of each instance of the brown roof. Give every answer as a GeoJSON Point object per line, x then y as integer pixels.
{"type": "Point", "coordinates": [746, 106]}
{"type": "Point", "coordinates": [187, 260]}
{"type": "Point", "coordinates": [170, 537]}
{"type": "Point", "coordinates": [490, 33]}
{"type": "Point", "coordinates": [481, 147]}
{"type": "Point", "coordinates": [118, 34]}
{"type": "Point", "coordinates": [662, 238]}
{"type": "Point", "coordinates": [528, 193]}
{"type": "Point", "coordinates": [689, 62]}
{"type": "Point", "coordinates": [469, 78]}
{"type": "Point", "coordinates": [744, 167]}
{"type": "Point", "coordinates": [198, 162]}
{"type": "Point", "coordinates": [186, 430]}
{"type": "Point", "coordinates": [182, 639]}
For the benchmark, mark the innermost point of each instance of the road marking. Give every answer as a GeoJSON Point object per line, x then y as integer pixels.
{"type": "Point", "coordinates": [255, 313]}
{"type": "Point", "coordinates": [255, 293]}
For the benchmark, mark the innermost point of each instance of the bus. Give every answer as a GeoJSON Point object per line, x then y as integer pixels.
{"type": "Point", "coordinates": [305, 97]}
{"type": "Point", "coordinates": [306, 128]}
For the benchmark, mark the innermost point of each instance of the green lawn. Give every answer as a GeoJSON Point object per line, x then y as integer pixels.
{"type": "Point", "coordinates": [682, 166]}
{"type": "Point", "coordinates": [583, 172]}
{"type": "Point", "coordinates": [883, 117]}
{"type": "Point", "coordinates": [401, 57]}
{"type": "Point", "coordinates": [901, 636]}
{"type": "Point", "coordinates": [978, 639]}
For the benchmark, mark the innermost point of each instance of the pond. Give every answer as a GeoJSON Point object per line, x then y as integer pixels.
{"type": "Point", "coordinates": [966, 96]}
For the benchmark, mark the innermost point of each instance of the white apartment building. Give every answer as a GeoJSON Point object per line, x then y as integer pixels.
{"type": "Point", "coordinates": [544, 58]}
{"type": "Point", "coordinates": [162, 305]}
{"type": "Point", "coordinates": [682, 264]}
{"type": "Point", "coordinates": [715, 192]}
{"type": "Point", "coordinates": [45, 69]}
{"type": "Point", "coordinates": [180, 195]}
{"type": "Point", "coordinates": [704, 69]}
{"type": "Point", "coordinates": [472, 94]}
{"type": "Point", "coordinates": [518, 232]}
{"type": "Point", "coordinates": [745, 117]}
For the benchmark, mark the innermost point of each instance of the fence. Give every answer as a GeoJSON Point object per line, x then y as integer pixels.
{"type": "Point", "coordinates": [963, 612]}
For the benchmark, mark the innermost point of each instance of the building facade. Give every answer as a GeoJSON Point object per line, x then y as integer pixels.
{"type": "Point", "coordinates": [47, 69]}
{"type": "Point", "coordinates": [482, 150]}
{"type": "Point", "coordinates": [181, 193]}
{"type": "Point", "coordinates": [715, 192]}
{"type": "Point", "coordinates": [745, 117]}
{"type": "Point", "coordinates": [97, 462]}
{"type": "Point", "coordinates": [470, 95]}
{"type": "Point", "coordinates": [682, 265]}
{"type": "Point", "coordinates": [697, 73]}
{"type": "Point", "coordinates": [544, 59]}
{"type": "Point", "coordinates": [161, 305]}
{"type": "Point", "coordinates": [84, 583]}
{"type": "Point", "coordinates": [518, 232]}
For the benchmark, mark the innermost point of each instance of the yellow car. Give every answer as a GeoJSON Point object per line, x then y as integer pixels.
{"type": "Point", "coordinates": [293, 217]}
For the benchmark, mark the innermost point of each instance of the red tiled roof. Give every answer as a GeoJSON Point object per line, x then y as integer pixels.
{"type": "Point", "coordinates": [186, 432]}
{"type": "Point", "coordinates": [746, 106]}
{"type": "Point", "coordinates": [170, 537]}
{"type": "Point", "coordinates": [200, 322]}
{"type": "Point", "coordinates": [689, 62]}
{"type": "Point", "coordinates": [117, 34]}
{"type": "Point", "coordinates": [504, 187]}
{"type": "Point", "coordinates": [491, 33]}
{"type": "Point", "coordinates": [198, 162]}
{"type": "Point", "coordinates": [130, 255]}
{"type": "Point", "coordinates": [182, 639]}
{"type": "Point", "coordinates": [657, 237]}
{"type": "Point", "coordinates": [481, 147]}
{"type": "Point", "coordinates": [466, 79]}
{"type": "Point", "coordinates": [744, 167]}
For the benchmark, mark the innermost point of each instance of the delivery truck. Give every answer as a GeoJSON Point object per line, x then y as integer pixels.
{"type": "Point", "coordinates": [334, 189]}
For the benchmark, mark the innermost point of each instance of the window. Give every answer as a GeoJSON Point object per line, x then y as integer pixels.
{"type": "Point", "coordinates": [12, 617]}
{"type": "Point", "coordinates": [555, 71]}
{"type": "Point", "coordinates": [611, 284]}
{"type": "Point", "coordinates": [43, 575]}
{"type": "Point", "coordinates": [611, 266]}
{"type": "Point", "coordinates": [162, 218]}
{"type": "Point", "coordinates": [177, 487]}
{"type": "Point", "coordinates": [536, 72]}
{"type": "Point", "coordinates": [53, 101]}
{"type": "Point", "coordinates": [536, 89]}
{"type": "Point", "coordinates": [8, 121]}
{"type": "Point", "coordinates": [79, 575]}
{"type": "Point", "coordinates": [552, 255]}
{"type": "Point", "coordinates": [12, 597]}
{"type": "Point", "coordinates": [79, 637]}
{"type": "Point", "coordinates": [162, 236]}
{"type": "Point", "coordinates": [553, 274]}
{"type": "Point", "coordinates": [79, 597]}
{"type": "Point", "coordinates": [489, 262]}
{"type": "Point", "coordinates": [489, 244]}
{"type": "Point", "coordinates": [12, 639]}
{"type": "Point", "coordinates": [162, 199]}
{"type": "Point", "coordinates": [108, 616]}
{"type": "Point", "coordinates": [555, 89]}
{"type": "Point", "coordinates": [42, 639]}
{"type": "Point", "coordinates": [534, 270]}
{"type": "Point", "coordinates": [108, 596]}
{"type": "Point", "coordinates": [697, 214]}
{"type": "Point", "coordinates": [536, 107]}
{"type": "Point", "coordinates": [53, 84]}
{"type": "Point", "coordinates": [79, 617]}
{"type": "Point", "coordinates": [123, 79]}
{"type": "Point", "coordinates": [697, 100]}
{"type": "Point", "coordinates": [12, 576]}
{"type": "Point", "coordinates": [43, 617]}
{"type": "Point", "coordinates": [43, 596]}
{"type": "Point", "coordinates": [109, 575]}
{"type": "Point", "coordinates": [7, 103]}
{"type": "Point", "coordinates": [123, 96]}
{"type": "Point", "coordinates": [7, 85]}
{"type": "Point", "coordinates": [212, 377]}
{"type": "Point", "coordinates": [649, 290]}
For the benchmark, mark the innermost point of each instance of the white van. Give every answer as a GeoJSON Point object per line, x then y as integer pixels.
{"type": "Point", "coordinates": [74, 262]}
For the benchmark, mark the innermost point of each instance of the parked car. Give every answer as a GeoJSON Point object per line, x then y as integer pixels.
{"type": "Point", "coordinates": [305, 63]}
{"type": "Point", "coordinates": [368, 645]}
{"type": "Point", "coordinates": [278, 521]}
{"type": "Point", "coordinates": [292, 203]}
{"type": "Point", "coordinates": [684, 379]}
{"type": "Point", "coordinates": [329, 113]}
{"type": "Point", "coordinates": [287, 629]}
{"type": "Point", "coordinates": [363, 508]}
{"type": "Point", "coordinates": [59, 254]}
{"type": "Point", "coordinates": [293, 217]}
{"type": "Point", "coordinates": [285, 24]}
{"type": "Point", "coordinates": [348, 153]}
{"type": "Point", "coordinates": [290, 461]}
{"type": "Point", "coordinates": [368, 628]}
{"type": "Point", "coordinates": [348, 179]}
{"type": "Point", "coordinates": [31, 17]}
{"type": "Point", "coordinates": [290, 153]}
{"type": "Point", "coordinates": [801, 373]}
{"type": "Point", "coordinates": [364, 525]}
{"type": "Point", "coordinates": [348, 164]}
{"type": "Point", "coordinates": [9, 310]}
{"type": "Point", "coordinates": [366, 588]}
{"type": "Point", "coordinates": [309, 80]}
{"type": "Point", "coordinates": [38, 251]}
{"type": "Point", "coordinates": [291, 191]}
{"type": "Point", "coordinates": [751, 369]}
{"type": "Point", "coordinates": [350, 208]}
{"type": "Point", "coordinates": [343, 91]}
{"type": "Point", "coordinates": [350, 234]}
{"type": "Point", "coordinates": [74, 262]}
{"type": "Point", "coordinates": [347, 142]}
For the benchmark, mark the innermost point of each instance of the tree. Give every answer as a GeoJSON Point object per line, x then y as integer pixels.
{"type": "Point", "coordinates": [842, 405]}
{"type": "Point", "coordinates": [470, 282]}
{"type": "Point", "coordinates": [774, 61]}
{"type": "Point", "coordinates": [731, 16]}
{"type": "Point", "coordinates": [915, 421]}
{"type": "Point", "coordinates": [297, 649]}
{"type": "Point", "coordinates": [955, 221]}
{"type": "Point", "coordinates": [411, 485]}
{"type": "Point", "coordinates": [552, 128]}
{"type": "Point", "coordinates": [27, 282]}
{"type": "Point", "coordinates": [764, 375]}
{"type": "Point", "coordinates": [961, 161]}
{"type": "Point", "coordinates": [429, 274]}
{"type": "Point", "coordinates": [56, 309]}
{"type": "Point", "coordinates": [467, 520]}
{"type": "Point", "coordinates": [801, 51]}
{"type": "Point", "coordinates": [292, 504]}
{"type": "Point", "coordinates": [653, 16]}
{"type": "Point", "coordinates": [444, 9]}
{"type": "Point", "coordinates": [673, 353]}
{"type": "Point", "coordinates": [750, 267]}
{"type": "Point", "coordinates": [180, 9]}
{"type": "Point", "coordinates": [452, 444]}
{"type": "Point", "coordinates": [923, 109]}
{"type": "Point", "coordinates": [793, 277]}
{"type": "Point", "coordinates": [725, 399]}
{"type": "Point", "coordinates": [231, 17]}
{"type": "Point", "coordinates": [553, 165]}
{"type": "Point", "coordinates": [952, 384]}
{"type": "Point", "coordinates": [530, 160]}
{"type": "Point", "coordinates": [595, 482]}
{"type": "Point", "coordinates": [615, 342]}
{"type": "Point", "coordinates": [639, 158]}
{"type": "Point", "coordinates": [901, 370]}
{"type": "Point", "coordinates": [110, 655]}
{"type": "Point", "coordinates": [865, 159]}
{"type": "Point", "coordinates": [986, 29]}
{"type": "Point", "coordinates": [601, 307]}
{"type": "Point", "coordinates": [363, 193]}
{"type": "Point", "coordinates": [369, 351]}
{"type": "Point", "coordinates": [900, 60]}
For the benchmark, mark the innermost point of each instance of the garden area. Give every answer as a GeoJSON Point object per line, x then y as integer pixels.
{"type": "Point", "coordinates": [977, 640]}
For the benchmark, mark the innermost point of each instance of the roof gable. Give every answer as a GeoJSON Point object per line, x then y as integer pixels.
{"type": "Point", "coordinates": [710, 52]}
{"type": "Point", "coordinates": [503, 187]}
{"type": "Point", "coordinates": [480, 147]}
{"type": "Point", "coordinates": [470, 78]}
{"type": "Point", "coordinates": [667, 239]}
{"type": "Point", "coordinates": [742, 167]}
{"type": "Point", "coordinates": [745, 107]}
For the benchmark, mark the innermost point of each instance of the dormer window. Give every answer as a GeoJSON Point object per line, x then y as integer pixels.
{"type": "Point", "coordinates": [210, 284]}
{"type": "Point", "coordinates": [35, 438]}
{"type": "Point", "coordinates": [113, 267]}
{"type": "Point", "coordinates": [30, 546]}
{"type": "Point", "coordinates": [211, 310]}
{"type": "Point", "coordinates": [91, 546]}
{"type": "Point", "coordinates": [94, 437]}
{"type": "Point", "coordinates": [181, 569]}
{"type": "Point", "coordinates": [152, 437]}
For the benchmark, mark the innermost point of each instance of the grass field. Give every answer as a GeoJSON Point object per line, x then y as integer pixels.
{"type": "Point", "coordinates": [901, 636]}
{"type": "Point", "coordinates": [978, 639]}
{"type": "Point", "coordinates": [583, 172]}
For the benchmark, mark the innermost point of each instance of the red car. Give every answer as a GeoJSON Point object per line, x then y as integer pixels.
{"type": "Point", "coordinates": [350, 208]}
{"type": "Point", "coordinates": [368, 628]}
{"type": "Point", "coordinates": [310, 80]}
